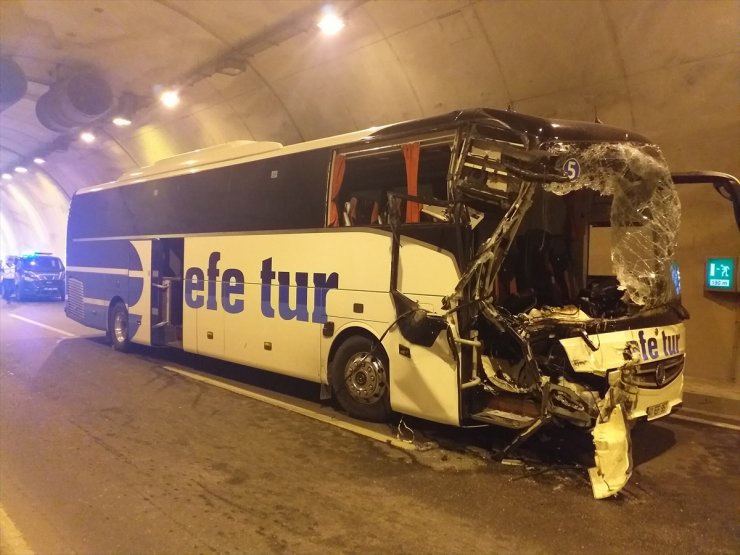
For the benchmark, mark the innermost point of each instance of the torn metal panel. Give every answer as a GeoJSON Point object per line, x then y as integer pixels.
{"type": "Point", "coordinates": [613, 455]}
{"type": "Point", "coordinates": [482, 271]}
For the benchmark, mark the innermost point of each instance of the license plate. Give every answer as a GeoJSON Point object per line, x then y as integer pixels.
{"type": "Point", "coordinates": [657, 411]}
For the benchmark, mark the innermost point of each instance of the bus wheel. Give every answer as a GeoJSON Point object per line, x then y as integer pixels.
{"type": "Point", "coordinates": [360, 381]}
{"type": "Point", "coordinates": [118, 327]}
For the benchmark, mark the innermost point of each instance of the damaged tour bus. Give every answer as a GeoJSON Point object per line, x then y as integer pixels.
{"type": "Point", "coordinates": [480, 267]}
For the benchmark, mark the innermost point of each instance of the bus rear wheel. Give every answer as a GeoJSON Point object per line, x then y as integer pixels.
{"type": "Point", "coordinates": [360, 381]}
{"type": "Point", "coordinates": [118, 327]}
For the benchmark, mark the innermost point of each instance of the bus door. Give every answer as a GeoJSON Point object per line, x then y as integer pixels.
{"type": "Point", "coordinates": [167, 295]}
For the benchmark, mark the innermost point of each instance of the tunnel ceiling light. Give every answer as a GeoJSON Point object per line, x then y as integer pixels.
{"type": "Point", "coordinates": [87, 137]}
{"type": "Point", "coordinates": [170, 98]}
{"type": "Point", "coordinates": [21, 169]}
{"type": "Point", "coordinates": [330, 24]}
{"type": "Point", "coordinates": [121, 121]}
{"type": "Point", "coordinates": [38, 160]}
{"type": "Point", "coordinates": [7, 177]}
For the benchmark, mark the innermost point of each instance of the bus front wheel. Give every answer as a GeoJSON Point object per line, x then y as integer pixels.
{"type": "Point", "coordinates": [360, 381]}
{"type": "Point", "coordinates": [118, 327]}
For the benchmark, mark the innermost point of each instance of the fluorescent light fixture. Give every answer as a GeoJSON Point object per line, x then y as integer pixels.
{"type": "Point", "coordinates": [170, 98]}
{"type": "Point", "coordinates": [21, 169]}
{"type": "Point", "coordinates": [121, 121]}
{"type": "Point", "coordinates": [330, 24]}
{"type": "Point", "coordinates": [231, 66]}
{"type": "Point", "coordinates": [38, 160]}
{"type": "Point", "coordinates": [7, 177]}
{"type": "Point", "coordinates": [87, 137]}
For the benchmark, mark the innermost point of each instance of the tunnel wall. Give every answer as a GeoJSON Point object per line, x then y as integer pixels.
{"type": "Point", "coordinates": [668, 70]}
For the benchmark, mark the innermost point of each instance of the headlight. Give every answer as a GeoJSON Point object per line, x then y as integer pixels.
{"type": "Point", "coordinates": [30, 276]}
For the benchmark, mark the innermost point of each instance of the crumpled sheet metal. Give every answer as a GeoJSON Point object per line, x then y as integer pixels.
{"type": "Point", "coordinates": [612, 454]}
{"type": "Point", "coordinates": [645, 213]}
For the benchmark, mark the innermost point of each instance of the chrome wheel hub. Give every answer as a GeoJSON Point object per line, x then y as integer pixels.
{"type": "Point", "coordinates": [366, 378]}
{"type": "Point", "coordinates": [120, 326]}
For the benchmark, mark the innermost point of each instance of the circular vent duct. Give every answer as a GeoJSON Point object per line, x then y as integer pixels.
{"type": "Point", "coordinates": [13, 83]}
{"type": "Point", "coordinates": [74, 102]}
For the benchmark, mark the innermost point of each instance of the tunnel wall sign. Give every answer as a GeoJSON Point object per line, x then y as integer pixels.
{"type": "Point", "coordinates": [721, 274]}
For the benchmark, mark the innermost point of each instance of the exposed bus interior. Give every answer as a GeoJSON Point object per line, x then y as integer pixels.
{"type": "Point", "coordinates": [560, 257]}
{"type": "Point", "coordinates": [371, 175]}
{"type": "Point", "coordinates": [555, 277]}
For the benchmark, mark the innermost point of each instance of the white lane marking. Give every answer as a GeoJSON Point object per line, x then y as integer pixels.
{"type": "Point", "coordinates": [12, 541]}
{"type": "Point", "coordinates": [39, 324]}
{"type": "Point", "coordinates": [707, 422]}
{"type": "Point", "coordinates": [299, 410]}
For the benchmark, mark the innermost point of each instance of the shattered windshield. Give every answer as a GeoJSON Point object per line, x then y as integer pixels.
{"type": "Point", "coordinates": [645, 212]}
{"type": "Point", "coordinates": [576, 225]}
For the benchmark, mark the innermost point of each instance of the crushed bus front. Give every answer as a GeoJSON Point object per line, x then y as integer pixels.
{"type": "Point", "coordinates": [596, 374]}
{"type": "Point", "coordinates": [569, 308]}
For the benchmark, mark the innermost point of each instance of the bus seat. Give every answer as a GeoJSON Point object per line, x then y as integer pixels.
{"type": "Point", "coordinates": [347, 214]}
{"type": "Point", "coordinates": [375, 216]}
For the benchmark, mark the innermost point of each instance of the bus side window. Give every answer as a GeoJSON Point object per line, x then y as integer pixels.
{"type": "Point", "coordinates": [361, 181]}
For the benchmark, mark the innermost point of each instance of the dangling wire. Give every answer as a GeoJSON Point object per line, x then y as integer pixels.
{"type": "Point", "coordinates": [404, 432]}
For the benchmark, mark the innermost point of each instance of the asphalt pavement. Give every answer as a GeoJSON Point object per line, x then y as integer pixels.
{"type": "Point", "coordinates": [104, 452]}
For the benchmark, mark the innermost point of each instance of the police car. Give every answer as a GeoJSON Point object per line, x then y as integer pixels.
{"type": "Point", "coordinates": [39, 275]}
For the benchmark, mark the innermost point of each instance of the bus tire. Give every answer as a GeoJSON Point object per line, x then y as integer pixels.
{"type": "Point", "coordinates": [360, 380]}
{"type": "Point", "coordinates": [118, 327]}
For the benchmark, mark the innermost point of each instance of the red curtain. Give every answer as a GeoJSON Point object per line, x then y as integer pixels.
{"type": "Point", "coordinates": [337, 176]}
{"type": "Point", "coordinates": [411, 155]}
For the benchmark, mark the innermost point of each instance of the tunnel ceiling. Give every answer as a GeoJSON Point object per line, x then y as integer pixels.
{"type": "Point", "coordinates": [262, 70]}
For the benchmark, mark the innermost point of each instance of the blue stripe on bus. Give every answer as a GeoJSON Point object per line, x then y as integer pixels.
{"type": "Point", "coordinates": [103, 254]}
{"type": "Point", "coordinates": [107, 286]}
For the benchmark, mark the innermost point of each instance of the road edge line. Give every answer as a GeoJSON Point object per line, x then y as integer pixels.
{"type": "Point", "coordinates": [707, 422]}
{"type": "Point", "coordinates": [39, 324]}
{"type": "Point", "coordinates": [359, 430]}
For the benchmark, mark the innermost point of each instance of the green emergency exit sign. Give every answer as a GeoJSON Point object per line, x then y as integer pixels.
{"type": "Point", "coordinates": [721, 274]}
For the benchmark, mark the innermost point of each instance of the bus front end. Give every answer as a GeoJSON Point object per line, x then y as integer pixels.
{"type": "Point", "coordinates": [568, 310]}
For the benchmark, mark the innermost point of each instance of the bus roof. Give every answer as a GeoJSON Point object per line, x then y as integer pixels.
{"type": "Point", "coordinates": [225, 154]}
{"type": "Point", "coordinates": [529, 131]}
{"type": "Point", "coordinates": [532, 130]}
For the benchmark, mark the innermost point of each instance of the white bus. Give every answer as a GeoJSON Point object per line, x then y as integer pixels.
{"type": "Point", "coordinates": [481, 267]}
